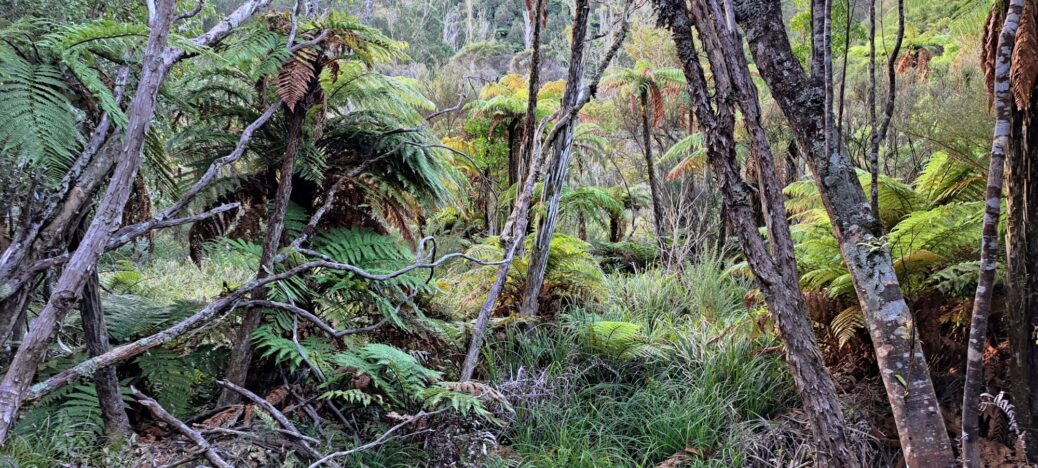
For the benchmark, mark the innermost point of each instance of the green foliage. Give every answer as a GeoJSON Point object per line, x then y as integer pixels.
{"type": "Point", "coordinates": [617, 339]}
{"type": "Point", "coordinates": [572, 274]}
{"type": "Point", "coordinates": [174, 379]}
{"type": "Point", "coordinates": [129, 317]}
{"type": "Point", "coordinates": [37, 126]}
{"type": "Point", "coordinates": [585, 407]}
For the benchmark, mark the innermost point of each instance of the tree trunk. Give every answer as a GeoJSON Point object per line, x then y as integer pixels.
{"type": "Point", "coordinates": [775, 270]}
{"type": "Point", "coordinates": [106, 220]}
{"type": "Point", "coordinates": [113, 412]}
{"type": "Point", "coordinates": [1022, 258]}
{"type": "Point", "coordinates": [241, 353]}
{"type": "Point", "coordinates": [650, 168]}
{"type": "Point", "coordinates": [558, 169]}
{"type": "Point", "coordinates": [871, 104]}
{"type": "Point", "coordinates": [989, 240]}
{"type": "Point", "coordinates": [514, 160]}
{"type": "Point", "coordinates": [902, 364]}
{"type": "Point", "coordinates": [514, 228]}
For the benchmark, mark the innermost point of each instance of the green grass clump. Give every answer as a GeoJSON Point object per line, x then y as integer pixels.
{"type": "Point", "coordinates": [583, 403]}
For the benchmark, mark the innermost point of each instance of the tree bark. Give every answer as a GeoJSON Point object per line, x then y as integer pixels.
{"type": "Point", "coordinates": [902, 364]}
{"type": "Point", "coordinates": [106, 220]}
{"type": "Point", "coordinates": [113, 412]}
{"type": "Point", "coordinates": [989, 241]}
{"type": "Point", "coordinates": [558, 168]}
{"type": "Point", "coordinates": [515, 227]}
{"type": "Point", "coordinates": [775, 270]}
{"type": "Point", "coordinates": [241, 352]}
{"type": "Point", "coordinates": [871, 104]}
{"type": "Point", "coordinates": [650, 169]}
{"type": "Point", "coordinates": [1022, 264]}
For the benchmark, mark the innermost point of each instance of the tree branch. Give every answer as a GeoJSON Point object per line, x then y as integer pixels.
{"type": "Point", "coordinates": [159, 412]}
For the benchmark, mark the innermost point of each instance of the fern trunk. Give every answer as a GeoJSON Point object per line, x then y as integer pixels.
{"type": "Point", "coordinates": [774, 269]}
{"type": "Point", "coordinates": [989, 240]}
{"type": "Point", "coordinates": [902, 364]}
{"type": "Point", "coordinates": [1022, 264]}
{"type": "Point", "coordinates": [242, 348]}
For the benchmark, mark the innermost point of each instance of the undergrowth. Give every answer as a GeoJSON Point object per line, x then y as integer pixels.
{"type": "Point", "coordinates": [670, 365]}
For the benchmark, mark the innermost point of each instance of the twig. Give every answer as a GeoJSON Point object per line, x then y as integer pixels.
{"type": "Point", "coordinates": [385, 437]}
{"type": "Point", "coordinates": [461, 100]}
{"type": "Point", "coordinates": [159, 412]}
{"type": "Point", "coordinates": [188, 14]}
{"type": "Point", "coordinates": [277, 415]}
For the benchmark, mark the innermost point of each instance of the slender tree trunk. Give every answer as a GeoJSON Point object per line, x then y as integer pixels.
{"type": "Point", "coordinates": [989, 241]}
{"type": "Point", "coordinates": [515, 227]}
{"type": "Point", "coordinates": [879, 129]}
{"type": "Point", "coordinates": [113, 412]}
{"type": "Point", "coordinates": [241, 352]}
{"type": "Point", "coordinates": [902, 364]}
{"type": "Point", "coordinates": [775, 270]}
{"type": "Point", "coordinates": [514, 158]}
{"type": "Point", "coordinates": [107, 219]}
{"type": "Point", "coordinates": [468, 22]}
{"type": "Point", "coordinates": [818, 14]}
{"type": "Point", "coordinates": [873, 131]}
{"type": "Point", "coordinates": [558, 168]}
{"type": "Point", "coordinates": [655, 190]}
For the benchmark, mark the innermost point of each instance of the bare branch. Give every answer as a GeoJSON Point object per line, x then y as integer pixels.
{"type": "Point", "coordinates": [218, 307]}
{"type": "Point", "coordinates": [128, 233]}
{"type": "Point", "coordinates": [277, 415]}
{"type": "Point", "coordinates": [309, 316]}
{"type": "Point", "coordinates": [189, 14]}
{"type": "Point", "coordinates": [385, 437]}
{"type": "Point", "coordinates": [159, 412]}
{"type": "Point", "coordinates": [461, 100]}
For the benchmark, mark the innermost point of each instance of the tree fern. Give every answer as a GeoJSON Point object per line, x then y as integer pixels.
{"type": "Point", "coordinates": [37, 123]}
{"type": "Point", "coordinates": [129, 317]}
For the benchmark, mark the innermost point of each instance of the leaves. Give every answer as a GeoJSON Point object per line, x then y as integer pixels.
{"type": "Point", "coordinates": [37, 123]}
{"type": "Point", "coordinates": [293, 80]}
{"type": "Point", "coordinates": [1023, 69]}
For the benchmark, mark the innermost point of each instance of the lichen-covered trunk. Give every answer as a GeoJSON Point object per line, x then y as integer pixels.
{"type": "Point", "coordinates": [242, 348]}
{"type": "Point", "coordinates": [774, 269]}
{"type": "Point", "coordinates": [106, 220]}
{"type": "Point", "coordinates": [989, 240]}
{"type": "Point", "coordinates": [558, 168]}
{"type": "Point", "coordinates": [903, 368]}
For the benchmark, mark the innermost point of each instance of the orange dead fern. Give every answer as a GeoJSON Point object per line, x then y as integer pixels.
{"type": "Point", "coordinates": [1024, 64]}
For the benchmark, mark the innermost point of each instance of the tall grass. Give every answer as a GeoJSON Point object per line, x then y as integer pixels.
{"type": "Point", "coordinates": [578, 406]}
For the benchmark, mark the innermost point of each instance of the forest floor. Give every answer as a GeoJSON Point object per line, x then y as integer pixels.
{"type": "Point", "coordinates": [670, 370]}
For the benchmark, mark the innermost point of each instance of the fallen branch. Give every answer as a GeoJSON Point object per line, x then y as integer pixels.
{"type": "Point", "coordinates": [385, 437]}
{"type": "Point", "coordinates": [224, 304]}
{"type": "Point", "coordinates": [159, 412]}
{"type": "Point", "coordinates": [290, 428]}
